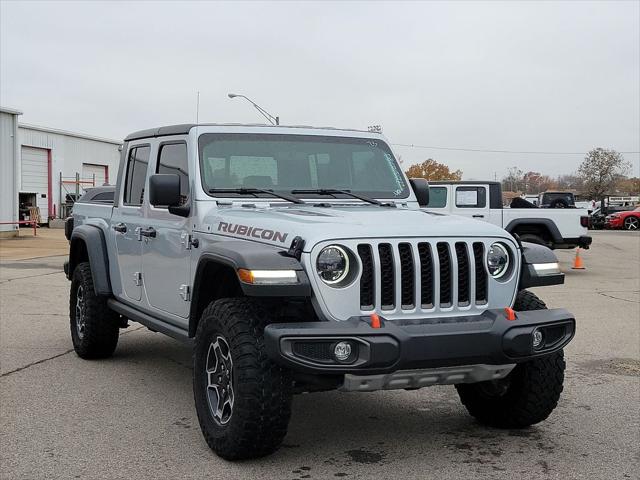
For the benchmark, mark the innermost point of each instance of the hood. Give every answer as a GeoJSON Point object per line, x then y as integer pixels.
{"type": "Point", "coordinates": [280, 225]}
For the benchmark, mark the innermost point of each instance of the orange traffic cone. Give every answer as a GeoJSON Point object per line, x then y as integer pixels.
{"type": "Point", "coordinates": [577, 262]}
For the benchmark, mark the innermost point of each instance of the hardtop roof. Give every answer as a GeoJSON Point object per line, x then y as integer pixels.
{"type": "Point", "coordinates": [183, 129]}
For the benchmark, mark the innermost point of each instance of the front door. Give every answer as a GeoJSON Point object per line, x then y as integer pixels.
{"type": "Point", "coordinates": [126, 222]}
{"type": "Point", "coordinates": [166, 259]}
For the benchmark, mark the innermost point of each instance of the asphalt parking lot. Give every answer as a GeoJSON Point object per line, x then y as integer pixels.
{"type": "Point", "coordinates": [132, 416]}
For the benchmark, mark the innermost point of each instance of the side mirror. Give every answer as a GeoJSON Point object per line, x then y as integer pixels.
{"type": "Point", "coordinates": [421, 188]}
{"type": "Point", "coordinates": [164, 190]}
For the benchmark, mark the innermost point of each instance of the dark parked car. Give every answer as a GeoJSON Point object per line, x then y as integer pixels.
{"type": "Point", "coordinates": [102, 194]}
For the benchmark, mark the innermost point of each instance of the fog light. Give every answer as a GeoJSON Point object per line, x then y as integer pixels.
{"type": "Point", "coordinates": [342, 351]}
{"type": "Point", "coordinates": [537, 338]}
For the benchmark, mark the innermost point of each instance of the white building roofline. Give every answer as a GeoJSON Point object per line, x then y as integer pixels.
{"type": "Point", "coordinates": [11, 111]}
{"type": "Point", "coordinates": [68, 134]}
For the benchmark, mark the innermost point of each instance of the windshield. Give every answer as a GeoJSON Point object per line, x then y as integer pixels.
{"type": "Point", "coordinates": [294, 162]}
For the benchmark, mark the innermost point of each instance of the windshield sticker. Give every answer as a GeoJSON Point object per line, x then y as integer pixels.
{"type": "Point", "coordinates": [252, 232]}
{"type": "Point", "coordinates": [396, 174]}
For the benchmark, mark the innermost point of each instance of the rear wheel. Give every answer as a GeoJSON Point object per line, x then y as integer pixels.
{"type": "Point", "coordinates": [527, 395]}
{"type": "Point", "coordinates": [242, 398]}
{"type": "Point", "coordinates": [631, 223]}
{"type": "Point", "coordinates": [94, 326]}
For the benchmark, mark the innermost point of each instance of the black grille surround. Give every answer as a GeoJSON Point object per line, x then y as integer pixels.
{"type": "Point", "coordinates": [367, 293]}
{"type": "Point", "coordinates": [422, 275]}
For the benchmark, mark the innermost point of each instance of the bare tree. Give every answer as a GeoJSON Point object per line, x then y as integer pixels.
{"type": "Point", "coordinates": [600, 171]}
{"type": "Point", "coordinates": [514, 180]}
{"type": "Point", "coordinates": [569, 182]}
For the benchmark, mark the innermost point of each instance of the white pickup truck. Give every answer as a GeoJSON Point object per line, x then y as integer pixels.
{"type": "Point", "coordinates": [553, 227]}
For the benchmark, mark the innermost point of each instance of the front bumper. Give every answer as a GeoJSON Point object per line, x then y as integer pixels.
{"type": "Point", "coordinates": [613, 223]}
{"type": "Point", "coordinates": [487, 339]}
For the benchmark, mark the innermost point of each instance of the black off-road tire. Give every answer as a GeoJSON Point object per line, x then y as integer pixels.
{"type": "Point", "coordinates": [98, 336]}
{"type": "Point", "coordinates": [527, 395]}
{"type": "Point", "coordinates": [525, 300]}
{"type": "Point", "coordinates": [262, 390]}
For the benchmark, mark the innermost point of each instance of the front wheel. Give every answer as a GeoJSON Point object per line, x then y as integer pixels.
{"type": "Point", "coordinates": [94, 326]}
{"type": "Point", "coordinates": [243, 399]}
{"type": "Point", "coordinates": [527, 395]}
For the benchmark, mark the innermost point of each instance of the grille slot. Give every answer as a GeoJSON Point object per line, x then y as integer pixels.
{"type": "Point", "coordinates": [481, 274]}
{"type": "Point", "coordinates": [367, 297]}
{"type": "Point", "coordinates": [407, 276]}
{"type": "Point", "coordinates": [426, 275]}
{"type": "Point", "coordinates": [463, 274]}
{"type": "Point", "coordinates": [387, 277]}
{"type": "Point", "coordinates": [444, 258]}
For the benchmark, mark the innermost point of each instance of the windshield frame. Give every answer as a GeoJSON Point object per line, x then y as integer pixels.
{"type": "Point", "coordinates": [207, 138]}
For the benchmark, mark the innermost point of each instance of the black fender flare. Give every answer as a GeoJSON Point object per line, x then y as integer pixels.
{"type": "Point", "coordinates": [548, 223]}
{"type": "Point", "coordinates": [237, 254]}
{"type": "Point", "coordinates": [96, 246]}
{"type": "Point", "coordinates": [533, 253]}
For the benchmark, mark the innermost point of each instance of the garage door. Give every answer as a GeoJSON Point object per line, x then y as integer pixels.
{"type": "Point", "coordinates": [89, 170]}
{"type": "Point", "coordinates": [34, 174]}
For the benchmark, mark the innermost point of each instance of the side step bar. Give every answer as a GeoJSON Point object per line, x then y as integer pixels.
{"type": "Point", "coordinates": [148, 321]}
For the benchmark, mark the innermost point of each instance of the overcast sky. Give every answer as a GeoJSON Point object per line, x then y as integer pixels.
{"type": "Point", "coordinates": [539, 76]}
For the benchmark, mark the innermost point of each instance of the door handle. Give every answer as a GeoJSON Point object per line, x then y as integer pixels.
{"type": "Point", "coordinates": [478, 216]}
{"type": "Point", "coordinates": [120, 228]}
{"type": "Point", "coordinates": [148, 232]}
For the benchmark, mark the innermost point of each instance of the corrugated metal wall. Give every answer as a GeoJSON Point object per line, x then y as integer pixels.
{"type": "Point", "coordinates": [8, 161]}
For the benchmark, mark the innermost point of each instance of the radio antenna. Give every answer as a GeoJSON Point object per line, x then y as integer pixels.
{"type": "Point", "coordinates": [198, 107]}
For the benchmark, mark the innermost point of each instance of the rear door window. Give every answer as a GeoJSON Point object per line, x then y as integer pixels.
{"type": "Point", "coordinates": [471, 197]}
{"type": "Point", "coordinates": [136, 175]}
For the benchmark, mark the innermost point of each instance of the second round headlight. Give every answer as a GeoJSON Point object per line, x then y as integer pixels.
{"type": "Point", "coordinates": [497, 260]}
{"type": "Point", "coordinates": [333, 264]}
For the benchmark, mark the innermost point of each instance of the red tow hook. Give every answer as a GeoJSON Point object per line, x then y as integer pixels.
{"type": "Point", "coordinates": [375, 321]}
{"type": "Point", "coordinates": [511, 313]}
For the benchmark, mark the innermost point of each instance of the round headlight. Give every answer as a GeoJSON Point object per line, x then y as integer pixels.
{"type": "Point", "coordinates": [332, 264]}
{"type": "Point", "coordinates": [497, 260]}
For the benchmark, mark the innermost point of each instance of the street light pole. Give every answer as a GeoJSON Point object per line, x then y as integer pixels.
{"type": "Point", "coordinates": [272, 120]}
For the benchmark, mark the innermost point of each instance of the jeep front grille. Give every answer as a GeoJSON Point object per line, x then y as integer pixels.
{"type": "Point", "coordinates": [424, 275]}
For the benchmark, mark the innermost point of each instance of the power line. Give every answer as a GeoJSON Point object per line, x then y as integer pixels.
{"type": "Point", "coordinates": [411, 145]}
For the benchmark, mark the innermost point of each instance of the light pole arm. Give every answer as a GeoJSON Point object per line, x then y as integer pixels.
{"type": "Point", "coordinates": [272, 120]}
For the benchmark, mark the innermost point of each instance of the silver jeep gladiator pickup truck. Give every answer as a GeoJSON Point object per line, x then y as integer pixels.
{"type": "Point", "coordinates": [297, 259]}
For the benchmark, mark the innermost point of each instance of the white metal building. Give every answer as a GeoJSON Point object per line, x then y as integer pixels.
{"type": "Point", "coordinates": [46, 167]}
{"type": "Point", "coordinates": [9, 155]}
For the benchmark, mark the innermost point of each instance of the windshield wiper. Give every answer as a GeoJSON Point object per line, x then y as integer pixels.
{"type": "Point", "coordinates": [334, 191]}
{"type": "Point", "coordinates": [254, 191]}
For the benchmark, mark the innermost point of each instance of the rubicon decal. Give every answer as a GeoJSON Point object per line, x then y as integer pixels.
{"type": "Point", "coordinates": [253, 232]}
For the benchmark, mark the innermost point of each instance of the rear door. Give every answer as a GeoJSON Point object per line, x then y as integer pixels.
{"type": "Point", "coordinates": [166, 260]}
{"type": "Point", "coordinates": [127, 218]}
{"type": "Point", "coordinates": [471, 201]}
